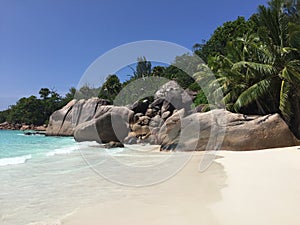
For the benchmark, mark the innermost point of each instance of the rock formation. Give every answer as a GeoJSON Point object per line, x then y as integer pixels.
{"type": "Point", "coordinates": [220, 129]}
{"type": "Point", "coordinates": [149, 118]}
{"type": "Point", "coordinates": [168, 120]}
{"type": "Point", "coordinates": [63, 122]}
{"type": "Point", "coordinates": [111, 123]}
{"type": "Point", "coordinates": [22, 127]}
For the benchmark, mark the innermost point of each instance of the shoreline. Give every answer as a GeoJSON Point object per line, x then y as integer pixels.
{"type": "Point", "coordinates": [252, 187]}
{"type": "Point", "coordinates": [240, 187]}
{"type": "Point", "coordinates": [23, 127]}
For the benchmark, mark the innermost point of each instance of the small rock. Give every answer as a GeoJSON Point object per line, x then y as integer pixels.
{"type": "Point", "coordinates": [25, 127]}
{"type": "Point", "coordinates": [165, 115]}
{"type": "Point", "coordinates": [156, 121]}
{"type": "Point", "coordinates": [114, 144]}
{"type": "Point", "coordinates": [130, 140]}
{"type": "Point", "coordinates": [136, 127]}
{"type": "Point", "coordinates": [144, 120]}
{"type": "Point", "coordinates": [150, 113]}
{"type": "Point", "coordinates": [152, 139]}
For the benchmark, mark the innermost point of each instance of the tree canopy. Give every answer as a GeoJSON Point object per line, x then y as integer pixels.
{"type": "Point", "coordinates": [34, 110]}
{"type": "Point", "coordinates": [258, 71]}
{"type": "Point", "coordinates": [256, 63]}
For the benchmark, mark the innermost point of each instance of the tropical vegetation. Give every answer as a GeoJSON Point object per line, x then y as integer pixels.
{"type": "Point", "coordinates": [36, 110]}
{"type": "Point", "coordinates": [256, 63]}
{"type": "Point", "coordinates": [258, 72]}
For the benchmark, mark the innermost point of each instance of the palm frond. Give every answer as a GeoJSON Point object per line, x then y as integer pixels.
{"type": "Point", "coordinates": [256, 91]}
{"type": "Point", "coordinates": [294, 35]}
{"type": "Point", "coordinates": [263, 69]}
{"type": "Point", "coordinates": [291, 74]}
{"type": "Point", "coordinates": [284, 103]}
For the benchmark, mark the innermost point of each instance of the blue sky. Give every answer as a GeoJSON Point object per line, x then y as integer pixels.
{"type": "Point", "coordinates": [50, 43]}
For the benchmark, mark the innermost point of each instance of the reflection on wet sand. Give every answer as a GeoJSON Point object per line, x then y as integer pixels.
{"type": "Point", "coordinates": [185, 199]}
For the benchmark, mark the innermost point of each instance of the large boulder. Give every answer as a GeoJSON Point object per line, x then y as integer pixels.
{"type": "Point", "coordinates": [220, 129]}
{"type": "Point", "coordinates": [85, 110]}
{"type": "Point", "coordinates": [63, 122]}
{"type": "Point", "coordinates": [110, 123]}
{"type": "Point", "coordinates": [60, 122]}
{"type": "Point", "coordinates": [175, 96]}
{"type": "Point", "coordinates": [168, 90]}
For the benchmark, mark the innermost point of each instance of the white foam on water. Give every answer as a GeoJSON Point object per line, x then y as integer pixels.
{"type": "Point", "coordinates": [62, 151]}
{"type": "Point", "coordinates": [14, 160]}
{"type": "Point", "coordinates": [70, 149]}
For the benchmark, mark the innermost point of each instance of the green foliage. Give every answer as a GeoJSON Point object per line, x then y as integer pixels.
{"type": "Point", "coordinates": [194, 87]}
{"type": "Point", "coordinates": [33, 110]}
{"type": "Point", "coordinates": [111, 88]}
{"type": "Point", "coordinates": [69, 96]}
{"type": "Point", "coordinates": [4, 115]}
{"type": "Point", "coordinates": [139, 89]}
{"type": "Point", "coordinates": [143, 68]}
{"type": "Point", "coordinates": [182, 78]}
{"type": "Point", "coordinates": [258, 72]}
{"type": "Point", "coordinates": [44, 93]}
{"type": "Point", "coordinates": [182, 70]}
{"type": "Point", "coordinates": [27, 110]}
{"type": "Point", "coordinates": [158, 71]}
{"type": "Point", "coordinates": [229, 31]}
{"type": "Point", "coordinates": [256, 65]}
{"type": "Point", "coordinates": [86, 92]}
{"type": "Point", "coordinates": [200, 99]}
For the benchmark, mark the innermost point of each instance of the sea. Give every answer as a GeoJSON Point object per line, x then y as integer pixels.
{"type": "Point", "coordinates": [46, 179]}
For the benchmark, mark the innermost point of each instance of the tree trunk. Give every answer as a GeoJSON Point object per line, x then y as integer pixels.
{"type": "Point", "coordinates": [295, 122]}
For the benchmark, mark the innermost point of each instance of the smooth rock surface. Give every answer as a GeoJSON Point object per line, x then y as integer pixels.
{"type": "Point", "coordinates": [60, 122]}
{"type": "Point", "coordinates": [111, 123]}
{"type": "Point", "coordinates": [63, 121]}
{"type": "Point", "coordinates": [220, 129]}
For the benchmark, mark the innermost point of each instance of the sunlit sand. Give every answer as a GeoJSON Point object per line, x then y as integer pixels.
{"type": "Point", "coordinates": [257, 187]}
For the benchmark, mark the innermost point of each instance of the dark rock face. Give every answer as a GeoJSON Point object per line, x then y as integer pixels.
{"type": "Point", "coordinates": [203, 131]}
{"type": "Point", "coordinates": [113, 144]}
{"type": "Point", "coordinates": [111, 123]}
{"type": "Point", "coordinates": [157, 104]}
{"type": "Point", "coordinates": [111, 127]}
{"type": "Point", "coordinates": [87, 132]}
{"type": "Point", "coordinates": [140, 106]}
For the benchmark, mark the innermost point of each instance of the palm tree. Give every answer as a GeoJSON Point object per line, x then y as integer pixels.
{"type": "Point", "coordinates": [261, 71]}
{"type": "Point", "coordinates": [277, 61]}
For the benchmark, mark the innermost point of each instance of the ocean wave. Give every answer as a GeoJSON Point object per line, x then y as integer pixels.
{"type": "Point", "coordinates": [80, 146]}
{"type": "Point", "coordinates": [14, 160]}
{"type": "Point", "coordinates": [63, 151]}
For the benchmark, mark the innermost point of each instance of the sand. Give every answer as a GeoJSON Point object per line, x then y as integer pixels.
{"type": "Point", "coordinates": [239, 188]}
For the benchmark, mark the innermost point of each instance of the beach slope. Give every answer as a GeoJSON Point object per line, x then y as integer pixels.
{"type": "Point", "coordinates": [257, 187]}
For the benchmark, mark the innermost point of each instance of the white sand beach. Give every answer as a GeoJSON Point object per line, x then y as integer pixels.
{"type": "Point", "coordinates": [239, 188]}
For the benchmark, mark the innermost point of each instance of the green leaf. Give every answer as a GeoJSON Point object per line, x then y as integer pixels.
{"type": "Point", "coordinates": [253, 93]}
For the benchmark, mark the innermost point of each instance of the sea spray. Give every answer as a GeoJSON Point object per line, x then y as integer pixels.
{"type": "Point", "coordinates": [14, 160]}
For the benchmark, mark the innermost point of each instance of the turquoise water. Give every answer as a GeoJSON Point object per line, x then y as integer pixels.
{"type": "Point", "coordinates": [17, 148]}
{"type": "Point", "coordinates": [45, 179]}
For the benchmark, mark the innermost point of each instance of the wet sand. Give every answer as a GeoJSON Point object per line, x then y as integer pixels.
{"type": "Point", "coordinates": [257, 187]}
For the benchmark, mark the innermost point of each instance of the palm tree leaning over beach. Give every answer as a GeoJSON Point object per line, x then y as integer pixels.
{"type": "Point", "coordinates": [261, 72]}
